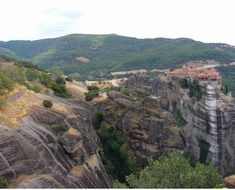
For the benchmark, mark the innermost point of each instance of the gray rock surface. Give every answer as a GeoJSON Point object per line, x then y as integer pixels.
{"type": "Point", "coordinates": [33, 156]}
{"type": "Point", "coordinates": [212, 119]}
{"type": "Point", "coordinates": [150, 130]}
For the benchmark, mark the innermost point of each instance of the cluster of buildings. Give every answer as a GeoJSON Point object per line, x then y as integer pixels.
{"type": "Point", "coordinates": [193, 72]}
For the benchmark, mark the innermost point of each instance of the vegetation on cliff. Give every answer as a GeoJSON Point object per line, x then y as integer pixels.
{"type": "Point", "coordinates": [14, 71]}
{"type": "Point", "coordinates": [193, 86]}
{"type": "Point", "coordinates": [114, 155]}
{"type": "Point", "coordinates": [93, 91]}
{"type": "Point", "coordinates": [228, 74]}
{"type": "Point", "coordinates": [173, 171]}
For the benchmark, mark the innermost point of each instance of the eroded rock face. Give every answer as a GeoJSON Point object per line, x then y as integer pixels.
{"type": "Point", "coordinates": [33, 156]}
{"type": "Point", "coordinates": [150, 130]}
{"type": "Point", "coordinates": [210, 121]}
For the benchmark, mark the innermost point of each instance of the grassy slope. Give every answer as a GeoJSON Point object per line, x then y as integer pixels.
{"type": "Point", "coordinates": [112, 53]}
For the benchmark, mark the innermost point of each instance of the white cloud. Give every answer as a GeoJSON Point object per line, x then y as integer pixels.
{"type": "Point", "coordinates": [205, 20]}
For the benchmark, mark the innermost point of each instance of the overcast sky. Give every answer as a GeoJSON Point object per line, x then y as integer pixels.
{"type": "Point", "coordinates": [203, 20]}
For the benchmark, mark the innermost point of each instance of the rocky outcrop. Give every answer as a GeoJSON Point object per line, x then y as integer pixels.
{"type": "Point", "coordinates": [210, 129]}
{"type": "Point", "coordinates": [34, 156]}
{"type": "Point", "coordinates": [168, 91]}
{"type": "Point", "coordinates": [150, 130]}
{"type": "Point", "coordinates": [211, 121]}
{"type": "Point", "coordinates": [230, 181]}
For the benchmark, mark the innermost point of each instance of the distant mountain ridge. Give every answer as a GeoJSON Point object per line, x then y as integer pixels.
{"type": "Point", "coordinates": [106, 53]}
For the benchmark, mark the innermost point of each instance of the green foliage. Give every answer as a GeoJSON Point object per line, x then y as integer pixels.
{"type": "Point", "coordinates": [184, 83]}
{"type": "Point", "coordinates": [3, 182]}
{"type": "Point", "coordinates": [3, 102]}
{"type": "Point", "coordinates": [32, 75]}
{"type": "Point", "coordinates": [113, 53]}
{"type": "Point", "coordinates": [47, 103]}
{"type": "Point", "coordinates": [224, 89]}
{"type": "Point", "coordinates": [60, 81]}
{"type": "Point", "coordinates": [93, 91]}
{"type": "Point", "coordinates": [204, 150]}
{"type": "Point", "coordinates": [5, 83]}
{"type": "Point", "coordinates": [117, 185]}
{"type": "Point", "coordinates": [98, 118]}
{"type": "Point", "coordinates": [59, 89]}
{"type": "Point", "coordinates": [46, 80]}
{"type": "Point", "coordinates": [195, 90]}
{"type": "Point", "coordinates": [114, 156]}
{"type": "Point", "coordinates": [61, 129]}
{"type": "Point", "coordinates": [90, 88]}
{"type": "Point", "coordinates": [34, 87]}
{"type": "Point", "coordinates": [141, 96]}
{"type": "Point", "coordinates": [125, 91]}
{"type": "Point", "coordinates": [228, 74]}
{"type": "Point", "coordinates": [179, 118]}
{"type": "Point", "coordinates": [174, 171]}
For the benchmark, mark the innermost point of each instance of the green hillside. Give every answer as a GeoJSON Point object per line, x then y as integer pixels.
{"type": "Point", "coordinates": [92, 56]}
{"type": "Point", "coordinates": [14, 71]}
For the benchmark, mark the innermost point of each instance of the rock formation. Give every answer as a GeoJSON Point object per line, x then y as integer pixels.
{"type": "Point", "coordinates": [32, 155]}
{"type": "Point", "coordinates": [150, 130]}
{"type": "Point", "coordinates": [210, 129]}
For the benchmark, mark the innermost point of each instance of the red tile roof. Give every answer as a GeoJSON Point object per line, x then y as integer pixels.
{"type": "Point", "coordinates": [193, 71]}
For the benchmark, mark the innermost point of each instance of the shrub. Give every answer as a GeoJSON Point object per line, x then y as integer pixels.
{"type": "Point", "coordinates": [46, 80]}
{"type": "Point", "coordinates": [61, 129]}
{"type": "Point", "coordinates": [47, 103]}
{"type": "Point", "coordinates": [3, 102]}
{"type": "Point", "coordinates": [34, 87]}
{"type": "Point", "coordinates": [90, 88]}
{"type": "Point", "coordinates": [93, 91]}
{"type": "Point", "coordinates": [90, 95]}
{"type": "Point", "coordinates": [5, 82]}
{"type": "Point", "coordinates": [69, 79]}
{"type": "Point", "coordinates": [60, 80]}
{"type": "Point", "coordinates": [3, 182]}
{"type": "Point", "coordinates": [60, 90]}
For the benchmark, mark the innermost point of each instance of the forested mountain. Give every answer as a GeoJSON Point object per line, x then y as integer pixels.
{"type": "Point", "coordinates": [97, 55]}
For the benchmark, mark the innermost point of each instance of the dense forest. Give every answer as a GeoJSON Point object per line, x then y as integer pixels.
{"type": "Point", "coordinates": [95, 56]}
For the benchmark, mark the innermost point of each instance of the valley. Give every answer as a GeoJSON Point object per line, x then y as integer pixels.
{"type": "Point", "coordinates": [105, 131]}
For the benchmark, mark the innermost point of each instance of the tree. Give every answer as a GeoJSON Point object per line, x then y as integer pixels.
{"type": "Point", "coordinates": [174, 171]}
{"type": "Point", "coordinates": [114, 156]}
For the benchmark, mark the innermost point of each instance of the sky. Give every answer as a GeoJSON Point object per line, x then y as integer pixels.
{"type": "Point", "coordinates": [203, 20]}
